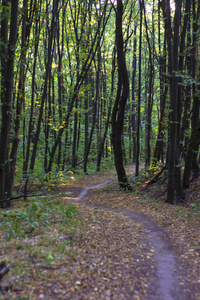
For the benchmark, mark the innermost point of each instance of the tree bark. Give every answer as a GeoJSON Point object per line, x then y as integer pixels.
{"type": "Point", "coordinates": [193, 144]}
{"type": "Point", "coordinates": [139, 95]}
{"type": "Point", "coordinates": [195, 87]}
{"type": "Point", "coordinates": [120, 101]}
{"type": "Point", "coordinates": [6, 92]}
{"type": "Point", "coordinates": [133, 119]}
{"type": "Point", "coordinates": [150, 90]}
{"type": "Point", "coordinates": [173, 43]}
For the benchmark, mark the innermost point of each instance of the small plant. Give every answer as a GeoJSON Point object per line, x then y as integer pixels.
{"type": "Point", "coordinates": [70, 211]}
{"type": "Point", "coordinates": [195, 205]}
{"type": "Point", "coordinates": [36, 213]}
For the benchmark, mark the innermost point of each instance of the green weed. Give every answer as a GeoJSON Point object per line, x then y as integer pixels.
{"type": "Point", "coordinates": [195, 205]}
{"type": "Point", "coordinates": [34, 214]}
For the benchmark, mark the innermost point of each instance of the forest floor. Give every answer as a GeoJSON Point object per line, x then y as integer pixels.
{"type": "Point", "coordinates": [123, 245]}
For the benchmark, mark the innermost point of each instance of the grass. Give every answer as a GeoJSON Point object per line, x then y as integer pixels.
{"type": "Point", "coordinates": [36, 236]}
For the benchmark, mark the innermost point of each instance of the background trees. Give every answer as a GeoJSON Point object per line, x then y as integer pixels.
{"type": "Point", "coordinates": [61, 76]}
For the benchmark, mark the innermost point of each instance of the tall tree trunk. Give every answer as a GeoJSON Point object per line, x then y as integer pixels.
{"type": "Point", "coordinates": [139, 94]}
{"type": "Point", "coordinates": [172, 68]}
{"type": "Point", "coordinates": [195, 87]}
{"type": "Point", "coordinates": [6, 91]}
{"type": "Point", "coordinates": [74, 146]}
{"type": "Point", "coordinates": [193, 144]}
{"type": "Point", "coordinates": [133, 119]}
{"type": "Point", "coordinates": [30, 126]}
{"type": "Point", "coordinates": [178, 179]}
{"type": "Point", "coordinates": [20, 100]}
{"type": "Point", "coordinates": [158, 152]}
{"type": "Point", "coordinates": [120, 101]}
{"type": "Point", "coordinates": [150, 90]}
{"type": "Point", "coordinates": [86, 108]}
{"type": "Point", "coordinates": [184, 138]}
{"type": "Point", "coordinates": [47, 120]}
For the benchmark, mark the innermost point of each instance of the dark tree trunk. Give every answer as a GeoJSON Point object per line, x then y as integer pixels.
{"type": "Point", "coordinates": [20, 100]}
{"type": "Point", "coordinates": [31, 120]}
{"type": "Point", "coordinates": [7, 66]}
{"type": "Point", "coordinates": [86, 107]}
{"type": "Point", "coordinates": [178, 180]}
{"type": "Point", "coordinates": [60, 89]}
{"type": "Point", "coordinates": [139, 95]}
{"type": "Point", "coordinates": [193, 144]}
{"type": "Point", "coordinates": [172, 68]}
{"type": "Point", "coordinates": [184, 138]}
{"type": "Point", "coordinates": [133, 119]}
{"type": "Point", "coordinates": [158, 152]}
{"type": "Point", "coordinates": [47, 121]}
{"type": "Point", "coordinates": [74, 146]}
{"type": "Point", "coordinates": [195, 87]}
{"type": "Point", "coordinates": [150, 92]}
{"type": "Point", "coordinates": [120, 101]}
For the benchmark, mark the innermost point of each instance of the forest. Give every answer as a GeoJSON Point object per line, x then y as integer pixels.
{"type": "Point", "coordinates": [87, 84]}
{"type": "Point", "coordinates": [99, 135]}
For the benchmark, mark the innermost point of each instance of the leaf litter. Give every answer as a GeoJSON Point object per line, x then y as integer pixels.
{"type": "Point", "coordinates": [103, 254]}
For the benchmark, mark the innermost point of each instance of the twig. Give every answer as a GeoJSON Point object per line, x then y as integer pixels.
{"type": "Point", "coordinates": [4, 269]}
{"type": "Point", "coordinates": [20, 196]}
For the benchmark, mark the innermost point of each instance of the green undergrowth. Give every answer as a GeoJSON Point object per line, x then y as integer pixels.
{"type": "Point", "coordinates": [35, 214]}
{"type": "Point", "coordinates": [191, 211]}
{"type": "Point", "coordinates": [67, 175]}
{"type": "Point", "coordinates": [36, 236]}
{"type": "Point", "coordinates": [144, 175]}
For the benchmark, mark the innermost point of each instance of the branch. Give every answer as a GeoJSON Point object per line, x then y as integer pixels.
{"type": "Point", "coordinates": [20, 196]}
{"type": "Point", "coordinates": [4, 269]}
{"type": "Point", "coordinates": [155, 178]}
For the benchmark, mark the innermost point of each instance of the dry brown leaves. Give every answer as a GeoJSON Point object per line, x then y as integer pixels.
{"type": "Point", "coordinates": [107, 257]}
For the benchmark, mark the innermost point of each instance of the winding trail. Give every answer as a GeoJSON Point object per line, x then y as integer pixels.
{"type": "Point", "coordinates": [167, 282]}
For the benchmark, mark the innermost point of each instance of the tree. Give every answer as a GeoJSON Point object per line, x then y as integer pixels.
{"type": "Point", "coordinates": [68, 66]}
{"type": "Point", "coordinates": [120, 101]}
{"type": "Point", "coordinates": [133, 118]}
{"type": "Point", "coordinates": [173, 46]}
{"type": "Point", "coordinates": [193, 144]}
{"type": "Point", "coordinates": [139, 94]}
{"type": "Point", "coordinates": [9, 30]}
{"type": "Point", "coordinates": [86, 64]}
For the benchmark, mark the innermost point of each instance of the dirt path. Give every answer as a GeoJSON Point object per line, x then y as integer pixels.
{"type": "Point", "coordinates": [166, 284]}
